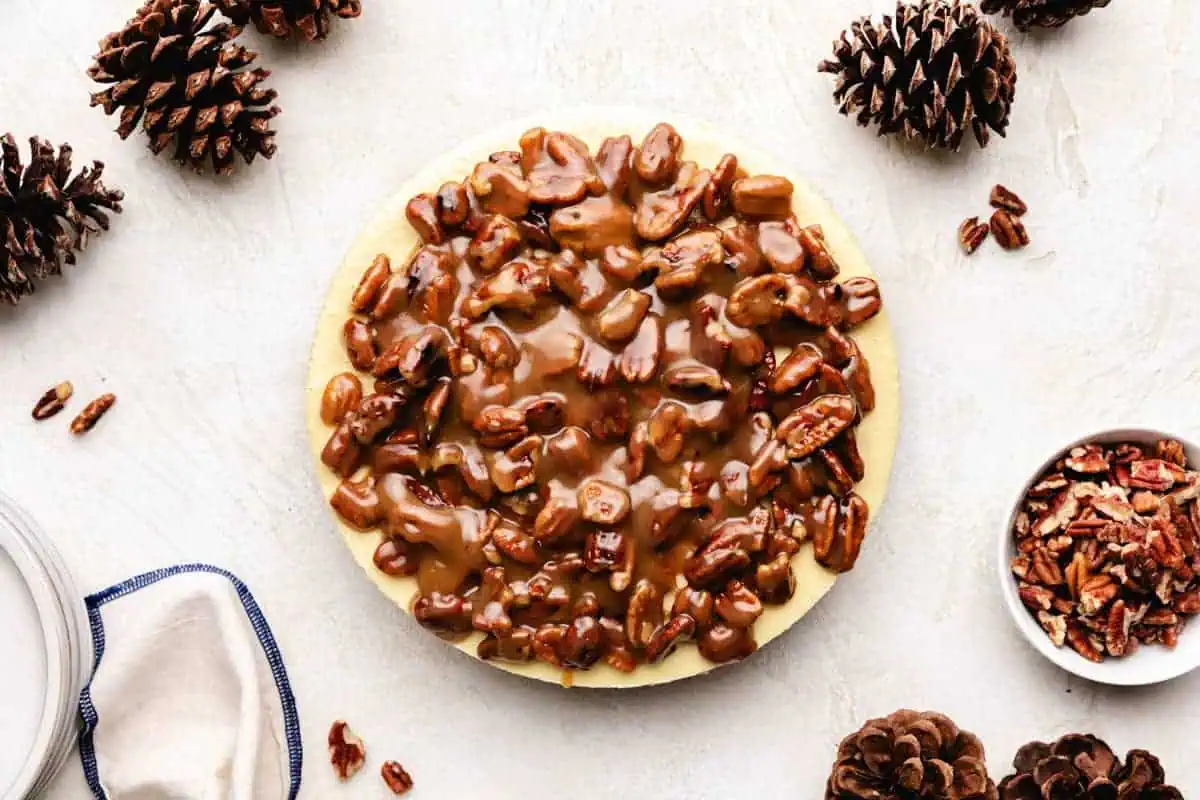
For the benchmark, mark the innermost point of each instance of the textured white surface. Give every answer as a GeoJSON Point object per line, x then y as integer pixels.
{"type": "Point", "coordinates": [198, 310]}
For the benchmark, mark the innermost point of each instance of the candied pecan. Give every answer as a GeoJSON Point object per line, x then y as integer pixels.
{"type": "Point", "coordinates": [738, 606]}
{"type": "Point", "coordinates": [623, 263]}
{"type": "Point", "coordinates": [1008, 230]}
{"type": "Point", "coordinates": [497, 349]}
{"type": "Point", "coordinates": [717, 191]}
{"type": "Point", "coordinates": [721, 644]}
{"type": "Point", "coordinates": [371, 284]}
{"type": "Point", "coordinates": [395, 777]}
{"type": "Point", "coordinates": [605, 550]}
{"type": "Point", "coordinates": [741, 242]}
{"type": "Point", "coordinates": [602, 503]}
{"type": "Point", "coordinates": [412, 358]}
{"type": "Point", "coordinates": [357, 503]}
{"type": "Point", "coordinates": [516, 467]}
{"type": "Point", "coordinates": [610, 422]}
{"type": "Point", "coordinates": [467, 459]}
{"type": "Point", "coordinates": [519, 286]}
{"type": "Point", "coordinates": [668, 424]}
{"type": "Point", "coordinates": [714, 565]}
{"type": "Point", "coordinates": [682, 262]}
{"type": "Point", "coordinates": [500, 426]}
{"type": "Point", "coordinates": [544, 413]}
{"type": "Point", "coordinates": [613, 163]}
{"type": "Point", "coordinates": [342, 452]}
{"type": "Point", "coordinates": [453, 204]}
{"type": "Point", "coordinates": [376, 415]}
{"type": "Point", "coordinates": [821, 264]}
{"type": "Point", "coordinates": [394, 557]}
{"type": "Point", "coordinates": [848, 539]}
{"type": "Point", "coordinates": [492, 604]}
{"type": "Point", "coordinates": [360, 344]}
{"type": "Point", "coordinates": [657, 159]}
{"type": "Point", "coordinates": [622, 317]}
{"type": "Point", "coordinates": [763, 300]}
{"type": "Point", "coordinates": [644, 613]}
{"type": "Point", "coordinates": [779, 243]}
{"type": "Point", "coordinates": [763, 196]}
{"type": "Point", "coordinates": [583, 644]}
{"type": "Point", "coordinates": [1005, 198]}
{"type": "Point", "coordinates": [660, 214]}
{"type": "Point", "coordinates": [559, 168]}
{"type": "Point", "coordinates": [816, 424]}
{"type": "Point", "coordinates": [422, 215]}
{"type": "Point", "coordinates": [800, 366]}
{"type": "Point", "coordinates": [581, 281]}
{"type": "Point", "coordinates": [639, 359]}
{"type": "Point", "coordinates": [593, 225]}
{"type": "Point", "coordinates": [496, 241]}
{"type": "Point", "coordinates": [501, 189]}
{"type": "Point", "coordinates": [342, 395]}
{"type": "Point", "coordinates": [695, 603]}
{"type": "Point", "coordinates": [695, 378]}
{"type": "Point", "coordinates": [679, 628]}
{"type": "Point", "coordinates": [347, 753]}
{"type": "Point", "coordinates": [597, 367]}
{"type": "Point", "coordinates": [548, 642]}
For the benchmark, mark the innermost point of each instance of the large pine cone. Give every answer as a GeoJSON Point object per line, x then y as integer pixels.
{"type": "Point", "coordinates": [187, 85]}
{"type": "Point", "coordinates": [45, 214]}
{"type": "Point", "coordinates": [1082, 766]}
{"type": "Point", "coordinates": [910, 755]}
{"type": "Point", "coordinates": [282, 18]}
{"type": "Point", "coordinates": [1028, 14]}
{"type": "Point", "coordinates": [936, 71]}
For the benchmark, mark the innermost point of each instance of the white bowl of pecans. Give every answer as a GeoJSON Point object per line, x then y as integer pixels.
{"type": "Point", "coordinates": [1100, 559]}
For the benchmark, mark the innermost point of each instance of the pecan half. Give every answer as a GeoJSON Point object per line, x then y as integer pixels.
{"type": "Point", "coordinates": [347, 753]}
{"type": "Point", "coordinates": [55, 400]}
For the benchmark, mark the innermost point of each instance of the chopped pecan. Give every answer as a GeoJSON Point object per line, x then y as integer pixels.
{"type": "Point", "coordinates": [721, 643]}
{"type": "Point", "coordinates": [593, 225]}
{"type": "Point", "coordinates": [683, 262]}
{"type": "Point", "coordinates": [371, 284]}
{"type": "Point", "coordinates": [559, 168]}
{"type": "Point", "coordinates": [644, 614]}
{"type": "Point", "coordinates": [717, 191]}
{"type": "Point", "coordinates": [501, 189]}
{"type": "Point", "coordinates": [639, 359]}
{"type": "Point", "coordinates": [519, 286]}
{"type": "Point", "coordinates": [971, 234]}
{"type": "Point", "coordinates": [613, 163]}
{"type": "Point", "coordinates": [500, 426]}
{"type": "Point", "coordinates": [422, 215]}
{"type": "Point", "coordinates": [602, 503]}
{"type": "Point", "coordinates": [657, 159]}
{"type": "Point", "coordinates": [800, 366]}
{"type": "Point", "coordinates": [738, 606]}
{"type": "Point", "coordinates": [622, 317]}
{"type": "Point", "coordinates": [496, 241]}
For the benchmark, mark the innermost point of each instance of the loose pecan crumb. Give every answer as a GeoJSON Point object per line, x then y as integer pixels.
{"type": "Point", "coordinates": [396, 777]}
{"type": "Point", "coordinates": [53, 401]}
{"type": "Point", "coordinates": [92, 413]}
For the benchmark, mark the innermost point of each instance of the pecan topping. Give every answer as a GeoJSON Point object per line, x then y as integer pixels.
{"type": "Point", "coordinates": [576, 418]}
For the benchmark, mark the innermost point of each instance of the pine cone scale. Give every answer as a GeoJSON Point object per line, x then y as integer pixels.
{"type": "Point", "coordinates": [309, 19]}
{"type": "Point", "coordinates": [1027, 14]}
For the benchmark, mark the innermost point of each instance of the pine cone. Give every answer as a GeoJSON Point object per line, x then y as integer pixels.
{"type": "Point", "coordinates": [953, 73]}
{"type": "Point", "coordinates": [187, 84]}
{"type": "Point", "coordinates": [282, 18]}
{"type": "Point", "coordinates": [910, 755]}
{"type": "Point", "coordinates": [45, 214]}
{"type": "Point", "coordinates": [1082, 766]}
{"type": "Point", "coordinates": [1028, 14]}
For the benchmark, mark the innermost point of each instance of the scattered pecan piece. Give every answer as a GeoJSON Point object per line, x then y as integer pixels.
{"type": "Point", "coordinates": [396, 777]}
{"type": "Point", "coordinates": [971, 234]}
{"type": "Point", "coordinates": [1007, 200]}
{"type": "Point", "coordinates": [347, 753]}
{"type": "Point", "coordinates": [1008, 230]}
{"type": "Point", "coordinates": [92, 413]}
{"type": "Point", "coordinates": [53, 401]}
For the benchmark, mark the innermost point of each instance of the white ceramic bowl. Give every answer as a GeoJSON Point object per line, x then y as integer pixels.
{"type": "Point", "coordinates": [1151, 663]}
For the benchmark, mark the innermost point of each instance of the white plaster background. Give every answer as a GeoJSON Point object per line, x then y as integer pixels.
{"type": "Point", "coordinates": [198, 308]}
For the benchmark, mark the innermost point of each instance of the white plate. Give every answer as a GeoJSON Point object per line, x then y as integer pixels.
{"type": "Point", "coordinates": [1151, 663]}
{"type": "Point", "coordinates": [48, 653]}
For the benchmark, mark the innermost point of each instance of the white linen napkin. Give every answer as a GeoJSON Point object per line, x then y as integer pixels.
{"type": "Point", "coordinates": [189, 698]}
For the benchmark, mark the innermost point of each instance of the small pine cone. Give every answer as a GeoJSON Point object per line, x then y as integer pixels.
{"type": "Point", "coordinates": [935, 72]}
{"type": "Point", "coordinates": [910, 755]}
{"type": "Point", "coordinates": [1082, 766]}
{"type": "Point", "coordinates": [45, 214]}
{"type": "Point", "coordinates": [187, 84]}
{"type": "Point", "coordinates": [282, 18]}
{"type": "Point", "coordinates": [1028, 14]}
